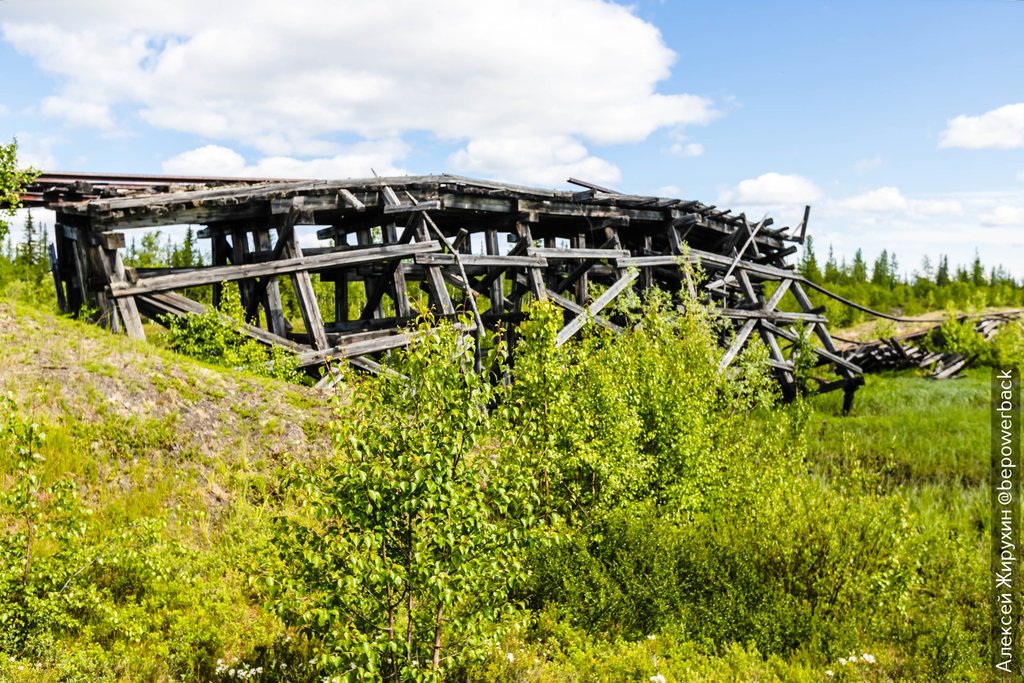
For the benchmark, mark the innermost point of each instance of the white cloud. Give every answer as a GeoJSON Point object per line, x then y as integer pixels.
{"type": "Point", "coordinates": [78, 113]}
{"type": "Point", "coordinates": [4, 110]}
{"type": "Point", "coordinates": [1001, 128]}
{"type": "Point", "coordinates": [36, 151]}
{"type": "Point", "coordinates": [546, 160]}
{"type": "Point", "coordinates": [890, 200]}
{"type": "Point", "coordinates": [691, 149]}
{"type": "Point", "coordinates": [357, 161]}
{"type": "Point", "coordinates": [289, 82]}
{"type": "Point", "coordinates": [773, 189]}
{"type": "Point", "coordinates": [1003, 216]}
{"type": "Point", "coordinates": [936, 207]}
{"type": "Point", "coordinates": [882, 199]}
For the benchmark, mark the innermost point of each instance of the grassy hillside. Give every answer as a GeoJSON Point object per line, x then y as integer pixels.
{"type": "Point", "coordinates": [185, 522]}
{"type": "Point", "coordinates": [175, 469]}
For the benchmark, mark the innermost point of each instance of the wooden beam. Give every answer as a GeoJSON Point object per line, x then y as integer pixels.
{"type": "Point", "coordinates": [593, 309]}
{"type": "Point", "coordinates": [215, 274]}
{"type": "Point", "coordinates": [481, 260]}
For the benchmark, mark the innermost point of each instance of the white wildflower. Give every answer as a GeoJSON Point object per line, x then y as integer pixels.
{"type": "Point", "coordinates": [853, 659]}
{"type": "Point", "coordinates": [842, 661]}
{"type": "Point", "coordinates": [510, 657]}
{"type": "Point", "coordinates": [651, 637]}
{"type": "Point", "coordinates": [657, 678]}
{"type": "Point", "coordinates": [870, 659]}
{"type": "Point", "coordinates": [830, 673]}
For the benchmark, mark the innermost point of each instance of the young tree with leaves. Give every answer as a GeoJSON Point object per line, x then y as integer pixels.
{"type": "Point", "coordinates": [12, 180]}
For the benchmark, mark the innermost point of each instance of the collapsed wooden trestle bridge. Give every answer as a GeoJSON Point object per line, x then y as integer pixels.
{"type": "Point", "coordinates": [466, 244]}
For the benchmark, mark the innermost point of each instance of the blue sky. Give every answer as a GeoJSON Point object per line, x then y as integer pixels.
{"type": "Point", "coordinates": [900, 122]}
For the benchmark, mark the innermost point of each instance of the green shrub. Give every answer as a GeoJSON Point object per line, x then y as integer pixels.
{"type": "Point", "coordinates": [411, 538]}
{"type": "Point", "coordinates": [216, 337]}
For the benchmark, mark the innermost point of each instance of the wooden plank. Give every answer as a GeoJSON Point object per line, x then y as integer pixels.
{"type": "Point", "coordinates": [787, 381]}
{"type": "Point", "coordinates": [111, 240]}
{"type": "Point", "coordinates": [413, 208]}
{"type": "Point", "coordinates": [403, 307]}
{"type": "Point", "coordinates": [240, 253]}
{"type": "Point", "coordinates": [777, 295]}
{"type": "Point", "coordinates": [127, 309]}
{"type": "Point", "coordinates": [737, 343]}
{"type": "Point", "coordinates": [761, 314]}
{"type": "Point", "coordinates": [435, 280]}
{"type": "Point", "coordinates": [58, 285]}
{"type": "Point", "coordinates": [360, 345]}
{"type": "Point", "coordinates": [596, 307]}
{"type": "Point", "coordinates": [271, 294]}
{"type": "Point", "coordinates": [830, 356]}
{"type": "Point", "coordinates": [573, 307]}
{"type": "Point", "coordinates": [497, 287]}
{"type": "Point", "coordinates": [309, 308]}
{"type": "Point", "coordinates": [220, 251]}
{"type": "Point", "coordinates": [582, 284]}
{"type": "Point", "coordinates": [707, 259]}
{"type": "Point", "coordinates": [216, 274]}
{"type": "Point", "coordinates": [576, 253]}
{"type": "Point", "coordinates": [481, 260]}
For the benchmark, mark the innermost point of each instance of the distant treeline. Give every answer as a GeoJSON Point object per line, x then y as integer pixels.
{"type": "Point", "coordinates": [934, 285]}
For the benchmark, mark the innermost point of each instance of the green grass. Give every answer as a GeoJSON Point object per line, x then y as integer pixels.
{"type": "Point", "coordinates": [909, 430]}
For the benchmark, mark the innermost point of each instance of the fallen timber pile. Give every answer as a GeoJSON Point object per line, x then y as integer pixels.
{"type": "Point", "coordinates": [905, 353]}
{"type": "Point", "coordinates": [469, 245]}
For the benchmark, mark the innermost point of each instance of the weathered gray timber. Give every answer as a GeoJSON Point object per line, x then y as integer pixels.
{"type": "Point", "coordinates": [449, 245]}
{"type": "Point", "coordinates": [905, 352]}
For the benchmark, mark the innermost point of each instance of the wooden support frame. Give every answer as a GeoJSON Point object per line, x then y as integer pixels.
{"type": "Point", "coordinates": [421, 229]}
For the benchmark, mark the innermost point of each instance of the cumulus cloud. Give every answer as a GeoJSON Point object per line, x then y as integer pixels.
{"type": "Point", "coordinates": [357, 161]}
{"type": "Point", "coordinates": [1003, 216]}
{"type": "Point", "coordinates": [36, 151]}
{"type": "Point", "coordinates": [891, 200]}
{"type": "Point", "coordinates": [546, 160]}
{"type": "Point", "coordinates": [773, 189]}
{"type": "Point", "coordinates": [1001, 128]}
{"type": "Point", "coordinates": [882, 199]}
{"type": "Point", "coordinates": [292, 83]}
{"type": "Point", "coordinates": [78, 113]}
{"type": "Point", "coordinates": [687, 149]}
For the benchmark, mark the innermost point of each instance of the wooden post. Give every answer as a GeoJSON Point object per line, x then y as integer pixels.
{"type": "Point", "coordinates": [51, 254]}
{"type": "Point", "coordinates": [375, 287]}
{"type": "Point", "coordinates": [580, 241]}
{"type": "Point", "coordinates": [303, 284]}
{"type": "Point", "coordinates": [440, 298]}
{"type": "Point", "coordinates": [126, 306]}
{"type": "Point", "coordinates": [403, 308]}
{"type": "Point", "coordinates": [497, 288]}
{"type": "Point", "coordinates": [219, 251]}
{"type": "Point", "coordinates": [270, 290]}
{"type": "Point", "coordinates": [240, 254]}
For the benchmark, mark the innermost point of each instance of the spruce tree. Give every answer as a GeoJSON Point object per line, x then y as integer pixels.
{"type": "Point", "coordinates": [859, 270]}
{"type": "Point", "coordinates": [942, 275]}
